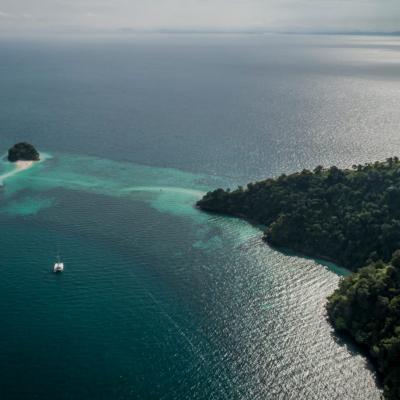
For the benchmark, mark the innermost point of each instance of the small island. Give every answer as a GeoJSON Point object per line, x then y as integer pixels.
{"type": "Point", "coordinates": [23, 152]}
{"type": "Point", "coordinates": [351, 217]}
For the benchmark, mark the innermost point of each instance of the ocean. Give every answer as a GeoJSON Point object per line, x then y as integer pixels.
{"type": "Point", "coordinates": [159, 300]}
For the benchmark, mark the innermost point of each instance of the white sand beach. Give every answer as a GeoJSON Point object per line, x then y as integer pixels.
{"type": "Point", "coordinates": [19, 167]}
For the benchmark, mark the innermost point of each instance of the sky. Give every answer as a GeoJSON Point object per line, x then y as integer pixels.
{"type": "Point", "coordinates": [274, 15]}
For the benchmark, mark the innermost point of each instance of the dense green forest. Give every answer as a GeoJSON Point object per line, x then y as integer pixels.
{"type": "Point", "coordinates": [349, 216]}
{"type": "Point", "coordinates": [24, 152]}
{"type": "Point", "coordinates": [346, 216]}
{"type": "Point", "coordinates": [367, 306]}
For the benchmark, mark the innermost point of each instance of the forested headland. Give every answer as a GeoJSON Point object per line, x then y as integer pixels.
{"type": "Point", "coordinates": [351, 217]}
{"type": "Point", "coordinates": [347, 216]}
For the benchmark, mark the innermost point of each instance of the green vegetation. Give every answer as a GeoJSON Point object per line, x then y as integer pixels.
{"type": "Point", "coordinates": [367, 306]}
{"type": "Point", "coordinates": [24, 152]}
{"type": "Point", "coordinates": [348, 216]}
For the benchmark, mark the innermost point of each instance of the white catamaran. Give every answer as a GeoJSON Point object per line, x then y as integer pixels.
{"type": "Point", "coordinates": [58, 266]}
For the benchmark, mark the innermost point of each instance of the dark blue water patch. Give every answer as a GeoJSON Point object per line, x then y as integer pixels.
{"type": "Point", "coordinates": [98, 330]}
{"type": "Point", "coordinates": [246, 107]}
{"type": "Point", "coordinates": [139, 303]}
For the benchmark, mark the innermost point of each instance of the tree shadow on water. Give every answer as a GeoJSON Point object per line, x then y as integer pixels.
{"type": "Point", "coordinates": [355, 349]}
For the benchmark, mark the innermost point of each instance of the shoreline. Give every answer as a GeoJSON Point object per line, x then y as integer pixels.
{"type": "Point", "coordinates": [19, 166]}
{"type": "Point", "coordinates": [320, 258]}
{"type": "Point", "coordinates": [22, 165]}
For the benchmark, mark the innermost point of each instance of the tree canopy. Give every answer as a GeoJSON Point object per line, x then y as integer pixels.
{"type": "Point", "coordinates": [367, 306]}
{"type": "Point", "coordinates": [348, 216]}
{"type": "Point", "coordinates": [24, 152]}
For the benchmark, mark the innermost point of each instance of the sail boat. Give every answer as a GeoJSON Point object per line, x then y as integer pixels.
{"type": "Point", "coordinates": [58, 266]}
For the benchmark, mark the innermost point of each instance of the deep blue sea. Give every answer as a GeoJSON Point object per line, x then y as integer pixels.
{"type": "Point", "coordinates": [159, 300]}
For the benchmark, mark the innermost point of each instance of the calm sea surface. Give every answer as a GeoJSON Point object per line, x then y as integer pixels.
{"type": "Point", "coordinates": [158, 300]}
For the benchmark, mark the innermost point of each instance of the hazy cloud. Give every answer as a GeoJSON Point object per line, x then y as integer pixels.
{"type": "Point", "coordinates": [200, 14]}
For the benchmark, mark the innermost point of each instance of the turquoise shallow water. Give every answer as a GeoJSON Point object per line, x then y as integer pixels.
{"type": "Point", "coordinates": [159, 300]}
{"type": "Point", "coordinates": [101, 176]}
